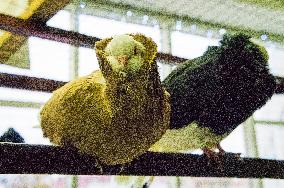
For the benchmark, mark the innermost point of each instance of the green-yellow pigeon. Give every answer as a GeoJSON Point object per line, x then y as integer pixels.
{"type": "Point", "coordinates": [116, 113]}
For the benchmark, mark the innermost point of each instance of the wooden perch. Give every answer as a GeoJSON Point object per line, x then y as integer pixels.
{"type": "Point", "coordinates": [44, 159]}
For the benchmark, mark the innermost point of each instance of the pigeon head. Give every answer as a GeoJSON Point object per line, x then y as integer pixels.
{"type": "Point", "coordinates": [242, 49]}
{"type": "Point", "coordinates": [125, 54]}
{"type": "Point", "coordinates": [126, 57]}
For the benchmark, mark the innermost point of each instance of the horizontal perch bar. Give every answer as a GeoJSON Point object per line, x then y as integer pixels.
{"type": "Point", "coordinates": [45, 159]}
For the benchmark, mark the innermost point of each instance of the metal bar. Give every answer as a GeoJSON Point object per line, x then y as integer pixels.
{"type": "Point", "coordinates": [21, 104]}
{"type": "Point", "coordinates": [74, 51]}
{"type": "Point", "coordinates": [29, 83]}
{"type": "Point", "coordinates": [167, 58]}
{"type": "Point", "coordinates": [44, 159]}
{"type": "Point", "coordinates": [275, 123]}
{"type": "Point", "coordinates": [48, 85]}
{"type": "Point", "coordinates": [39, 29]}
{"type": "Point", "coordinates": [251, 147]}
{"type": "Point", "coordinates": [122, 7]}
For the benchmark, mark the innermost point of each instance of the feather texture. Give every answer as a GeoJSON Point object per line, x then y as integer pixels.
{"type": "Point", "coordinates": [222, 88]}
{"type": "Point", "coordinates": [112, 116]}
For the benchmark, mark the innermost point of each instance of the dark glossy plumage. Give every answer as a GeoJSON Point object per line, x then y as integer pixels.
{"type": "Point", "coordinates": [223, 87]}
{"type": "Point", "coordinates": [11, 135]}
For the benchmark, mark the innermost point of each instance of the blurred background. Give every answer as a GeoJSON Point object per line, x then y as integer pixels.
{"type": "Point", "coordinates": [182, 28]}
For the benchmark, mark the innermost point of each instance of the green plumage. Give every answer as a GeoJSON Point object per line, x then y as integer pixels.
{"type": "Point", "coordinates": [115, 117]}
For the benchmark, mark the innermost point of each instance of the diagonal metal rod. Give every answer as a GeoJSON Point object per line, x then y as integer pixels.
{"type": "Point", "coordinates": [39, 29]}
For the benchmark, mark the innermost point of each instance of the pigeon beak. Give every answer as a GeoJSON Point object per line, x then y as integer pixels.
{"type": "Point", "coordinates": [123, 59]}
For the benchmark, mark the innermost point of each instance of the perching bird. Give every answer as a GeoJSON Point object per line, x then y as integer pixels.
{"type": "Point", "coordinates": [212, 94]}
{"type": "Point", "coordinates": [114, 114]}
{"type": "Point", "coordinates": [11, 135]}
